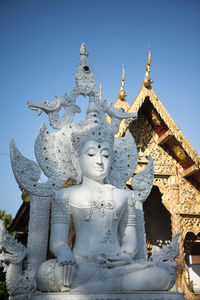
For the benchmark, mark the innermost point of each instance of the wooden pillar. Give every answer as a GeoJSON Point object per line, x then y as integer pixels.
{"type": "Point", "coordinates": [176, 224]}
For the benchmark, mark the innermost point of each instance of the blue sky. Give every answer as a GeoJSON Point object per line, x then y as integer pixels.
{"type": "Point", "coordinates": [39, 51]}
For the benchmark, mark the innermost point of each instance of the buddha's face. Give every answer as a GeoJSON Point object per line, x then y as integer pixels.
{"type": "Point", "coordinates": [94, 160]}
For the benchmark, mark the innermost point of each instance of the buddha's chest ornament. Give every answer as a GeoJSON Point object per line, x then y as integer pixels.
{"type": "Point", "coordinates": [103, 203]}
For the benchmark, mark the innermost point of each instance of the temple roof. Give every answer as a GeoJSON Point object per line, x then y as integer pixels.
{"type": "Point", "coordinates": [169, 134]}
{"type": "Point", "coordinates": [149, 94]}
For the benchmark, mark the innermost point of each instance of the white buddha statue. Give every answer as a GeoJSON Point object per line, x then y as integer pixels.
{"type": "Point", "coordinates": [105, 225]}
{"type": "Point", "coordinates": [109, 254]}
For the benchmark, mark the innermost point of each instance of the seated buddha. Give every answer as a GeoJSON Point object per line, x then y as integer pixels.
{"type": "Point", "coordinates": [104, 218]}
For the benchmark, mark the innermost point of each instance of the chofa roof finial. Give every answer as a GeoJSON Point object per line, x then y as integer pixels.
{"type": "Point", "coordinates": [122, 93]}
{"type": "Point", "coordinates": [147, 78]}
{"type": "Point", "coordinates": [123, 78]}
{"type": "Point", "coordinates": [100, 93]}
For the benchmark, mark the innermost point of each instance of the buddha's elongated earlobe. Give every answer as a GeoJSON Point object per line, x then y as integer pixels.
{"type": "Point", "coordinates": [75, 162]}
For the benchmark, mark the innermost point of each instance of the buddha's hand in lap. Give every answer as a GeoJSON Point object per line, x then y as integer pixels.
{"type": "Point", "coordinates": [67, 265]}
{"type": "Point", "coordinates": [119, 260]}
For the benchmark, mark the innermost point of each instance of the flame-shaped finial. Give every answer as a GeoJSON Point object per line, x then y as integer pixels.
{"type": "Point", "coordinates": [122, 93]}
{"type": "Point", "coordinates": [147, 78]}
{"type": "Point", "coordinates": [84, 75]}
{"type": "Point", "coordinates": [123, 79]}
{"type": "Point", "coordinates": [83, 50]}
{"type": "Point", "coordinates": [100, 95]}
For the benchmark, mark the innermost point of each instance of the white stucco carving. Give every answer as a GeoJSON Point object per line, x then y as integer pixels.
{"type": "Point", "coordinates": [20, 283]}
{"type": "Point", "coordinates": [109, 254]}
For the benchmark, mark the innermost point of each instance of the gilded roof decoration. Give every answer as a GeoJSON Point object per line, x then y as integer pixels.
{"type": "Point", "coordinates": [159, 117]}
{"type": "Point", "coordinates": [147, 78]}
{"type": "Point", "coordinates": [190, 199]}
{"type": "Point", "coordinates": [155, 118]}
{"type": "Point", "coordinates": [121, 103]}
{"type": "Point", "coordinates": [180, 153]}
{"type": "Point", "coordinates": [100, 92]}
{"type": "Point", "coordinates": [137, 103]}
{"type": "Point", "coordinates": [121, 100]}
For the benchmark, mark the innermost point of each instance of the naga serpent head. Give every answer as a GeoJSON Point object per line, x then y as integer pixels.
{"type": "Point", "coordinates": [11, 251]}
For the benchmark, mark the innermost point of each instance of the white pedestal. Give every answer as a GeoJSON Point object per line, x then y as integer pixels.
{"type": "Point", "coordinates": [110, 296]}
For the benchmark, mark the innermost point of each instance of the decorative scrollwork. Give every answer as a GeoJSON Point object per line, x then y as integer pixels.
{"type": "Point", "coordinates": [190, 224]}
{"type": "Point", "coordinates": [189, 198]}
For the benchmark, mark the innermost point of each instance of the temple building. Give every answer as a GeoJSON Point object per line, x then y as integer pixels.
{"type": "Point", "coordinates": [174, 202]}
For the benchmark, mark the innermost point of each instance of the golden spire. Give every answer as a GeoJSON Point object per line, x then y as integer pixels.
{"type": "Point", "coordinates": [100, 96]}
{"type": "Point", "coordinates": [147, 78]}
{"type": "Point", "coordinates": [123, 78]}
{"type": "Point", "coordinates": [122, 93]}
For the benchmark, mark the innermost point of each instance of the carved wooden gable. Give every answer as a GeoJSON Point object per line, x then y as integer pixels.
{"type": "Point", "coordinates": [164, 164]}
